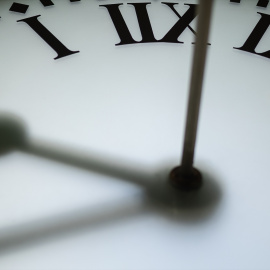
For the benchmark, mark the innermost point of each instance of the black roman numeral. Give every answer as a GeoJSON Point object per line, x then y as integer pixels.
{"type": "Point", "coordinates": [145, 24]}
{"type": "Point", "coordinates": [256, 35]}
{"type": "Point", "coordinates": [48, 37]}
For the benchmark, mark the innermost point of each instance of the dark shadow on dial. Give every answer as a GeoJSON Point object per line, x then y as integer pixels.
{"type": "Point", "coordinates": [158, 196]}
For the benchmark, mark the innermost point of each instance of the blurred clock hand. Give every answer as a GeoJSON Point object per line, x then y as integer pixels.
{"type": "Point", "coordinates": [156, 195]}
{"type": "Point", "coordinates": [13, 136]}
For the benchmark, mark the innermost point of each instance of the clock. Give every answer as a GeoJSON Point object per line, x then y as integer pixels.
{"type": "Point", "coordinates": [97, 94]}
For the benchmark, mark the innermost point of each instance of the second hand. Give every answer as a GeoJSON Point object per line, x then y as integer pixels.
{"type": "Point", "coordinates": [186, 177]}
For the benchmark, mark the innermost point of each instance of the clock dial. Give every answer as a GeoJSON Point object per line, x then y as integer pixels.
{"type": "Point", "coordinates": [101, 88]}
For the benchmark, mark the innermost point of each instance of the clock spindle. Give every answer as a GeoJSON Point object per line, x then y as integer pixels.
{"type": "Point", "coordinates": [186, 177]}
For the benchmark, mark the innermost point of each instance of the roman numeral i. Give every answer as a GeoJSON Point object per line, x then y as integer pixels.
{"type": "Point", "coordinates": [256, 35]}
{"type": "Point", "coordinates": [48, 37]}
{"type": "Point", "coordinates": [145, 24]}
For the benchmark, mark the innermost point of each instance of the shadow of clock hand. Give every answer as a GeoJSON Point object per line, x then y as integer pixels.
{"type": "Point", "coordinates": [192, 207]}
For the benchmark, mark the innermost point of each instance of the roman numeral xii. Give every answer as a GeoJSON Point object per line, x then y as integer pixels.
{"type": "Point", "coordinates": [145, 25]}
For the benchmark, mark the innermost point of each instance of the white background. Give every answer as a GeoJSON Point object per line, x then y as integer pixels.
{"type": "Point", "coordinates": [124, 108]}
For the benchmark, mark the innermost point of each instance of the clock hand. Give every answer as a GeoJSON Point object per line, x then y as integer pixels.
{"type": "Point", "coordinates": [94, 161]}
{"type": "Point", "coordinates": [157, 195]}
{"type": "Point", "coordinates": [186, 177]}
{"type": "Point", "coordinates": [151, 181]}
{"type": "Point", "coordinates": [12, 133]}
{"type": "Point", "coordinates": [62, 224]}
{"type": "Point", "coordinates": [14, 136]}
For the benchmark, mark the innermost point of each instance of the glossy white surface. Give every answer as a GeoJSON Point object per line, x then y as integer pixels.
{"type": "Point", "coordinates": [124, 107]}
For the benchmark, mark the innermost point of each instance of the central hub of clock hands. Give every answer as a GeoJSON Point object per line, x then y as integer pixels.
{"type": "Point", "coordinates": [185, 177]}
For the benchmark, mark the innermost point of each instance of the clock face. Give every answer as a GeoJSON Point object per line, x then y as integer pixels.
{"type": "Point", "coordinates": [101, 89]}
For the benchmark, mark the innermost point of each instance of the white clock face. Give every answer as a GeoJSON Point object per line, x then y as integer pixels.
{"type": "Point", "coordinates": [116, 96]}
